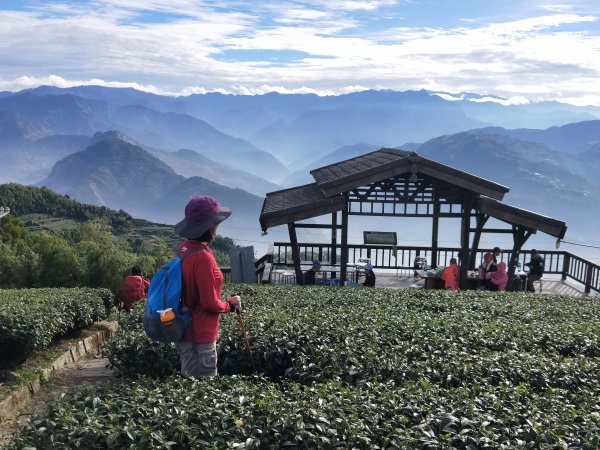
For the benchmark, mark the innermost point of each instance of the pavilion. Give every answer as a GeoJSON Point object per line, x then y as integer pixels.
{"type": "Point", "coordinates": [398, 183]}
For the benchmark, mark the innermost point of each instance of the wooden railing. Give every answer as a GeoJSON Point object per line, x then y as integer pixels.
{"type": "Point", "coordinates": [264, 266]}
{"type": "Point", "coordinates": [566, 264]}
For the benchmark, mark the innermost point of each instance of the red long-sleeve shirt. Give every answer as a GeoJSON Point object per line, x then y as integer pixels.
{"type": "Point", "coordinates": [202, 283]}
{"type": "Point", "coordinates": [450, 275]}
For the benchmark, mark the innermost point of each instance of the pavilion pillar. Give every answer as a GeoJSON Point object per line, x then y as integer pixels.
{"type": "Point", "coordinates": [334, 228]}
{"type": "Point", "coordinates": [481, 221]}
{"type": "Point", "coordinates": [295, 253]}
{"type": "Point", "coordinates": [468, 203]}
{"type": "Point", "coordinates": [434, 233]}
{"type": "Point", "coordinates": [344, 252]}
{"type": "Point", "coordinates": [520, 236]}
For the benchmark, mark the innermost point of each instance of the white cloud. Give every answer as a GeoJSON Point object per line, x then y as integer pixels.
{"type": "Point", "coordinates": [557, 7]}
{"type": "Point", "coordinates": [522, 60]}
{"type": "Point", "coordinates": [503, 101]}
{"type": "Point", "coordinates": [26, 82]}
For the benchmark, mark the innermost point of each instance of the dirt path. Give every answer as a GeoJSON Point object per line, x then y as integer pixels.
{"type": "Point", "coordinates": [85, 372]}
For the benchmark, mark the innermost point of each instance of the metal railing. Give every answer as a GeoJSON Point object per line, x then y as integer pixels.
{"type": "Point", "coordinates": [565, 264]}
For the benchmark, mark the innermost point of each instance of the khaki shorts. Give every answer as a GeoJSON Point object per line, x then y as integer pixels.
{"type": "Point", "coordinates": [197, 360]}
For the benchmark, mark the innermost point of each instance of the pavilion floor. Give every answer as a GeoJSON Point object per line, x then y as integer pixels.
{"type": "Point", "coordinates": [402, 279]}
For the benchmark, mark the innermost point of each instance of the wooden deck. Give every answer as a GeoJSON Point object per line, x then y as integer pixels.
{"type": "Point", "coordinates": [551, 285]}
{"type": "Point", "coordinates": [402, 279]}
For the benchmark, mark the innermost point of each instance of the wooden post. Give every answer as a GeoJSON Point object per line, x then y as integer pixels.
{"type": "Point", "coordinates": [520, 236]}
{"type": "Point", "coordinates": [566, 265]}
{"type": "Point", "coordinates": [467, 206]}
{"type": "Point", "coordinates": [588, 278]}
{"type": "Point", "coordinates": [344, 255]}
{"type": "Point", "coordinates": [481, 220]}
{"type": "Point", "coordinates": [434, 232]}
{"type": "Point", "coordinates": [295, 253]}
{"type": "Point", "coordinates": [333, 255]}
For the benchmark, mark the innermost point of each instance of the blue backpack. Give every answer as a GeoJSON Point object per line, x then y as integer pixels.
{"type": "Point", "coordinates": [164, 319]}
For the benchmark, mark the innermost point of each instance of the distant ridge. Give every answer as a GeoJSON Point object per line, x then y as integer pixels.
{"type": "Point", "coordinates": [121, 175]}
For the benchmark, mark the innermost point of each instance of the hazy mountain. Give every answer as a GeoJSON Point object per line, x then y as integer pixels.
{"type": "Point", "coordinates": [32, 162]}
{"type": "Point", "coordinates": [303, 176]}
{"type": "Point", "coordinates": [552, 170]}
{"type": "Point", "coordinates": [540, 179]}
{"type": "Point", "coordinates": [245, 206]}
{"type": "Point", "coordinates": [16, 130]}
{"type": "Point", "coordinates": [291, 125]}
{"type": "Point", "coordinates": [63, 114]}
{"type": "Point", "coordinates": [386, 117]}
{"type": "Point", "coordinates": [24, 148]}
{"type": "Point", "coordinates": [113, 173]}
{"type": "Point", "coordinates": [533, 115]}
{"type": "Point", "coordinates": [59, 111]}
{"type": "Point", "coordinates": [590, 158]}
{"type": "Point", "coordinates": [121, 175]}
{"type": "Point", "coordinates": [172, 131]}
{"type": "Point", "coordinates": [114, 97]}
{"type": "Point", "coordinates": [190, 163]}
{"type": "Point", "coordinates": [570, 137]}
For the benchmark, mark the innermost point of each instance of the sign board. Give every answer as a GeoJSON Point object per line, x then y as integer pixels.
{"type": "Point", "coordinates": [380, 238]}
{"type": "Point", "coordinates": [242, 265]}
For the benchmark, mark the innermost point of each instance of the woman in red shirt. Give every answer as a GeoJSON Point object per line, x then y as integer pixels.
{"type": "Point", "coordinates": [451, 275]}
{"type": "Point", "coordinates": [202, 283]}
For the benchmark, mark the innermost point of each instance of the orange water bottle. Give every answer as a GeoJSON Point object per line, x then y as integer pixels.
{"type": "Point", "coordinates": [167, 316]}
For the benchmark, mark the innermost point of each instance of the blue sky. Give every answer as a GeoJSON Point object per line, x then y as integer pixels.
{"type": "Point", "coordinates": [520, 50]}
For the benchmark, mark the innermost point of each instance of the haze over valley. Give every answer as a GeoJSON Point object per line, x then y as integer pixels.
{"type": "Point", "coordinates": [148, 154]}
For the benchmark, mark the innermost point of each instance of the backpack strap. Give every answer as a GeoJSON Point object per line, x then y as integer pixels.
{"type": "Point", "coordinates": [182, 258]}
{"type": "Point", "coordinates": [189, 252]}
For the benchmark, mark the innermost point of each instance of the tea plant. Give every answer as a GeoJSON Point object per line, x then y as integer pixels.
{"type": "Point", "coordinates": [355, 368]}
{"type": "Point", "coordinates": [31, 319]}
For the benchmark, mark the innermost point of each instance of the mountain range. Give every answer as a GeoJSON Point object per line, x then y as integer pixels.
{"type": "Point", "coordinates": [148, 154]}
{"type": "Point", "coordinates": [122, 175]}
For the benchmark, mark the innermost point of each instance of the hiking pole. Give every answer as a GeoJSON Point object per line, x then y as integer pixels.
{"type": "Point", "coordinates": [238, 310]}
{"type": "Point", "coordinates": [245, 335]}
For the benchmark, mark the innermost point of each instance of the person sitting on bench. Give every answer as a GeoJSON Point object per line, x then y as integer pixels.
{"type": "Point", "coordinates": [310, 274]}
{"type": "Point", "coordinates": [536, 269]}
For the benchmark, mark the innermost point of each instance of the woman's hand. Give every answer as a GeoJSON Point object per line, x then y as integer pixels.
{"type": "Point", "coordinates": [235, 302]}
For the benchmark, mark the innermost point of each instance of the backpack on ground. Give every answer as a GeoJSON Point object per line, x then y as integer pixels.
{"type": "Point", "coordinates": [164, 319]}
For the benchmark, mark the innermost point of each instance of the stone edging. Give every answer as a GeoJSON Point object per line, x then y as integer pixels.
{"type": "Point", "coordinates": [90, 345]}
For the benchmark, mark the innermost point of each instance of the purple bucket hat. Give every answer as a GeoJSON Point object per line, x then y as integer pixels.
{"type": "Point", "coordinates": [201, 214]}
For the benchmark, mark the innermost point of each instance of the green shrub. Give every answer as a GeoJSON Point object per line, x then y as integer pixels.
{"type": "Point", "coordinates": [31, 319]}
{"type": "Point", "coordinates": [252, 412]}
{"type": "Point", "coordinates": [356, 368]}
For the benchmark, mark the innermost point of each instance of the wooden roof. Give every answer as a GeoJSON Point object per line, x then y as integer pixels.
{"type": "Point", "coordinates": [522, 217]}
{"type": "Point", "coordinates": [389, 162]}
{"type": "Point", "coordinates": [326, 195]}
{"type": "Point", "coordinates": [297, 203]}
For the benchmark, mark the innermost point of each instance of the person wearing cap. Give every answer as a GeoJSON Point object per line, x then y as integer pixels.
{"type": "Point", "coordinates": [133, 289]}
{"type": "Point", "coordinates": [536, 269]}
{"type": "Point", "coordinates": [310, 276]}
{"type": "Point", "coordinates": [369, 275]}
{"type": "Point", "coordinates": [202, 284]}
{"type": "Point", "coordinates": [496, 254]}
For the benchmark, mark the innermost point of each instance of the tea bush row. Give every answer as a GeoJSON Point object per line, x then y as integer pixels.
{"type": "Point", "coordinates": [253, 412]}
{"type": "Point", "coordinates": [31, 319]}
{"type": "Point", "coordinates": [356, 368]}
{"type": "Point", "coordinates": [450, 339]}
